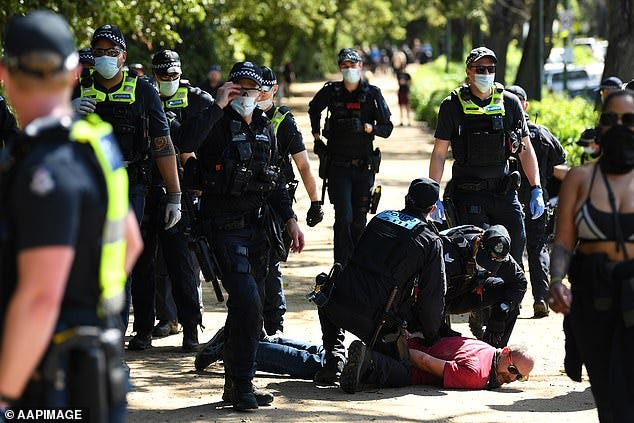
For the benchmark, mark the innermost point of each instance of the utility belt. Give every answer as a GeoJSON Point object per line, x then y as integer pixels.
{"type": "Point", "coordinates": [237, 221]}
{"type": "Point", "coordinates": [610, 284]}
{"type": "Point", "coordinates": [503, 185]}
{"type": "Point", "coordinates": [372, 164]}
{"type": "Point", "coordinates": [324, 285]}
{"type": "Point", "coordinates": [85, 362]}
{"type": "Point", "coordinates": [234, 179]}
{"type": "Point", "coordinates": [139, 172]}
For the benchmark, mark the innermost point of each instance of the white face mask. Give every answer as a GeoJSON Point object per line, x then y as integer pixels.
{"type": "Point", "coordinates": [168, 88]}
{"type": "Point", "coordinates": [588, 150]}
{"type": "Point", "coordinates": [351, 75]}
{"type": "Point", "coordinates": [265, 104]}
{"type": "Point", "coordinates": [107, 66]}
{"type": "Point", "coordinates": [243, 105]}
{"type": "Point", "coordinates": [484, 82]}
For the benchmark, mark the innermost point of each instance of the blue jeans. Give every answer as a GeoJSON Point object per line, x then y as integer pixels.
{"type": "Point", "coordinates": [136, 194]}
{"type": "Point", "coordinates": [274, 300]}
{"type": "Point", "coordinates": [349, 192]}
{"type": "Point", "coordinates": [286, 356]}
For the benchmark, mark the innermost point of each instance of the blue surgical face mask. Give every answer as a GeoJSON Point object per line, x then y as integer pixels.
{"type": "Point", "coordinates": [265, 104]}
{"type": "Point", "coordinates": [243, 105]}
{"type": "Point", "coordinates": [588, 150]}
{"type": "Point", "coordinates": [351, 75]}
{"type": "Point", "coordinates": [168, 88]}
{"type": "Point", "coordinates": [107, 66]}
{"type": "Point", "coordinates": [484, 82]}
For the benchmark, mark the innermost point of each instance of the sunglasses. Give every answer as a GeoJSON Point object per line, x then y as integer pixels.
{"type": "Point", "coordinates": [168, 77]}
{"type": "Point", "coordinates": [249, 92]}
{"type": "Point", "coordinates": [483, 69]}
{"type": "Point", "coordinates": [612, 119]}
{"type": "Point", "coordinates": [112, 52]}
{"type": "Point", "coordinates": [512, 369]}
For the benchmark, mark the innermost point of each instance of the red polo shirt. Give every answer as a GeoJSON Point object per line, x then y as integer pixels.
{"type": "Point", "coordinates": [468, 363]}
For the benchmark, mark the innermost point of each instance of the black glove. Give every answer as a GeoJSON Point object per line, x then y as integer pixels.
{"type": "Point", "coordinates": [315, 214]}
{"type": "Point", "coordinates": [351, 125]}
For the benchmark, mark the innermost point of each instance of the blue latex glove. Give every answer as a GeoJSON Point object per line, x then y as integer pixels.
{"type": "Point", "coordinates": [537, 203]}
{"type": "Point", "coordinates": [439, 214]}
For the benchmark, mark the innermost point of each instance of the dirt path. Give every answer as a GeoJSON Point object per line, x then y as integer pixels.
{"type": "Point", "coordinates": [167, 389]}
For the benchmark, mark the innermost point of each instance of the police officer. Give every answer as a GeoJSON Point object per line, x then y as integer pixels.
{"type": "Point", "coordinates": [192, 113]}
{"type": "Point", "coordinates": [551, 159]}
{"type": "Point", "coordinates": [134, 109]}
{"type": "Point", "coordinates": [484, 125]}
{"type": "Point", "coordinates": [357, 112]}
{"type": "Point", "coordinates": [86, 58]}
{"type": "Point", "coordinates": [213, 80]}
{"type": "Point", "coordinates": [588, 141]}
{"type": "Point", "coordinates": [238, 163]}
{"type": "Point", "coordinates": [68, 237]}
{"type": "Point", "coordinates": [399, 255]}
{"type": "Point", "coordinates": [482, 274]}
{"type": "Point", "coordinates": [290, 144]}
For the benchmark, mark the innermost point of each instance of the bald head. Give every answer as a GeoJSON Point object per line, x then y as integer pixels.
{"type": "Point", "coordinates": [515, 364]}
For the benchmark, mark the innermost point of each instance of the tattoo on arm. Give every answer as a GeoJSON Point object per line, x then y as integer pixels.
{"type": "Point", "coordinates": [559, 261]}
{"type": "Point", "coordinates": [162, 146]}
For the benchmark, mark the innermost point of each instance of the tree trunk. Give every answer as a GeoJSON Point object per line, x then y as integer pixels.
{"type": "Point", "coordinates": [503, 18]}
{"type": "Point", "coordinates": [458, 32]}
{"type": "Point", "coordinates": [526, 71]}
{"type": "Point", "coordinates": [619, 60]}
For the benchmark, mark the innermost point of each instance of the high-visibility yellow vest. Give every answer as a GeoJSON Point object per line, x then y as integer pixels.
{"type": "Point", "coordinates": [125, 93]}
{"type": "Point", "coordinates": [178, 100]}
{"type": "Point", "coordinates": [112, 277]}
{"type": "Point", "coordinates": [495, 106]}
{"type": "Point", "coordinates": [277, 119]}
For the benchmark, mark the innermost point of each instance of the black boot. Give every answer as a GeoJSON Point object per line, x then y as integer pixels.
{"type": "Point", "coordinates": [190, 338]}
{"type": "Point", "coordinates": [246, 397]}
{"type": "Point", "coordinates": [212, 351]}
{"type": "Point", "coordinates": [140, 341]}
{"type": "Point", "coordinates": [359, 361]}
{"type": "Point", "coordinates": [329, 374]}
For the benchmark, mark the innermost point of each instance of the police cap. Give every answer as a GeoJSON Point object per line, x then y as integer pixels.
{"type": "Point", "coordinates": [165, 62]}
{"type": "Point", "coordinates": [215, 68]}
{"type": "Point", "coordinates": [85, 56]}
{"type": "Point", "coordinates": [495, 246]}
{"type": "Point", "coordinates": [587, 137]}
{"type": "Point", "coordinates": [611, 82]}
{"type": "Point", "coordinates": [246, 70]}
{"type": "Point", "coordinates": [518, 91]}
{"type": "Point", "coordinates": [110, 33]}
{"type": "Point", "coordinates": [348, 55]}
{"type": "Point", "coordinates": [39, 44]}
{"type": "Point", "coordinates": [478, 53]}
{"type": "Point", "coordinates": [268, 77]}
{"type": "Point", "coordinates": [629, 85]}
{"type": "Point", "coordinates": [423, 192]}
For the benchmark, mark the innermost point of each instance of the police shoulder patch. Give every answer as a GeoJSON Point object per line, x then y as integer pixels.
{"type": "Point", "coordinates": [399, 218]}
{"type": "Point", "coordinates": [42, 181]}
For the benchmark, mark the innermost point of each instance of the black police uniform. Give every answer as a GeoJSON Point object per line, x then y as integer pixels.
{"type": "Point", "coordinates": [134, 125]}
{"type": "Point", "coordinates": [397, 249]}
{"type": "Point", "coordinates": [480, 171]}
{"type": "Point", "coordinates": [351, 173]}
{"type": "Point", "coordinates": [190, 124]}
{"type": "Point", "coordinates": [240, 180]}
{"type": "Point", "coordinates": [289, 140]}
{"type": "Point", "coordinates": [54, 193]}
{"type": "Point", "coordinates": [8, 126]}
{"type": "Point", "coordinates": [549, 154]}
{"type": "Point", "coordinates": [470, 289]}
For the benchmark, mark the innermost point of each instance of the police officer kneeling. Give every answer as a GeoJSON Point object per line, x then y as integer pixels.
{"type": "Point", "coordinates": [67, 239]}
{"type": "Point", "coordinates": [482, 274]}
{"type": "Point", "coordinates": [395, 278]}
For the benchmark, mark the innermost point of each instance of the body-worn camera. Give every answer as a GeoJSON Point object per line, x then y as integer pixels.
{"type": "Point", "coordinates": [497, 123]}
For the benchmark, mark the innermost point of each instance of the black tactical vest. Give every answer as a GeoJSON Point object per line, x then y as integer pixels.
{"type": "Point", "coordinates": [460, 266]}
{"type": "Point", "coordinates": [346, 106]}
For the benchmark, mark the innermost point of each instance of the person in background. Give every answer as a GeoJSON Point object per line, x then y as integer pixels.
{"type": "Point", "coordinates": [213, 81]}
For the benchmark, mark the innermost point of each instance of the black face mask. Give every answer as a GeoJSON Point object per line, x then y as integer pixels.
{"type": "Point", "coordinates": [617, 145]}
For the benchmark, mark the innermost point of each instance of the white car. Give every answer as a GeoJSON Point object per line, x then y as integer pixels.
{"type": "Point", "coordinates": [580, 79]}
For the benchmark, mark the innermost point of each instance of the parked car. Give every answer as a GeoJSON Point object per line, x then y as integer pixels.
{"type": "Point", "coordinates": [580, 79]}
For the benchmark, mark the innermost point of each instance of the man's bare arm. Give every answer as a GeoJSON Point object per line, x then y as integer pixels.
{"type": "Point", "coordinates": [165, 157]}
{"type": "Point", "coordinates": [427, 363]}
{"type": "Point", "coordinates": [437, 160]}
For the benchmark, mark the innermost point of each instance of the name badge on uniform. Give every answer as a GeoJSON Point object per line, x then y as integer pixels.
{"type": "Point", "coordinates": [121, 96]}
{"type": "Point", "coordinates": [399, 218]}
{"type": "Point", "coordinates": [239, 137]}
{"type": "Point", "coordinates": [493, 108]}
{"type": "Point", "coordinates": [262, 137]}
{"type": "Point", "coordinates": [353, 106]}
{"type": "Point", "coordinates": [174, 102]}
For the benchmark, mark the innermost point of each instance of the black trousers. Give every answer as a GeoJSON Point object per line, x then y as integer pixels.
{"type": "Point", "coordinates": [605, 345]}
{"type": "Point", "coordinates": [244, 256]}
{"type": "Point", "coordinates": [180, 267]}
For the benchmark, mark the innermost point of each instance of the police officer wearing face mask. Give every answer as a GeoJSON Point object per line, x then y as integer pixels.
{"type": "Point", "coordinates": [192, 113]}
{"type": "Point", "coordinates": [551, 158]}
{"type": "Point", "coordinates": [67, 234]}
{"type": "Point", "coordinates": [133, 108]}
{"type": "Point", "coordinates": [484, 125]}
{"type": "Point", "coordinates": [241, 182]}
{"type": "Point", "coordinates": [290, 143]}
{"type": "Point", "coordinates": [357, 112]}
{"type": "Point", "coordinates": [588, 141]}
{"type": "Point", "coordinates": [480, 274]}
